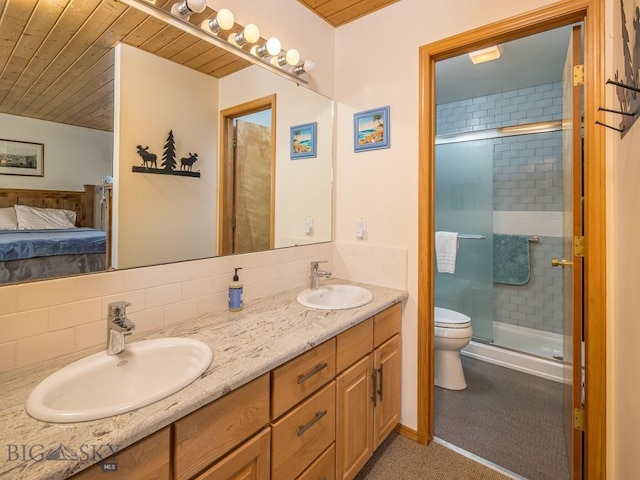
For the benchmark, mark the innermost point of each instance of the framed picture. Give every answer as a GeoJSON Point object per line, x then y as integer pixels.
{"type": "Point", "coordinates": [21, 158]}
{"type": "Point", "coordinates": [303, 141]}
{"type": "Point", "coordinates": [371, 129]}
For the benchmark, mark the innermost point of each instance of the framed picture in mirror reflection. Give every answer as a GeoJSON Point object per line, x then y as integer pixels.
{"type": "Point", "coordinates": [303, 141]}
{"type": "Point", "coordinates": [21, 158]}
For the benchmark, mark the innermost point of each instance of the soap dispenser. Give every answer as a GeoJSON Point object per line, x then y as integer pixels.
{"type": "Point", "coordinates": [235, 293]}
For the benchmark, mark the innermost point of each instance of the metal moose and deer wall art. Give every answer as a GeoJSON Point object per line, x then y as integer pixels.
{"type": "Point", "coordinates": [169, 163]}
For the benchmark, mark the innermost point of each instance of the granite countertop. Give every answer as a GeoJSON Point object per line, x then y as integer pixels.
{"type": "Point", "coordinates": [245, 344]}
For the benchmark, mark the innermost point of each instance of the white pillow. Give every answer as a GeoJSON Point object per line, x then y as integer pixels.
{"type": "Point", "coordinates": [31, 218]}
{"type": "Point", "coordinates": [8, 219]}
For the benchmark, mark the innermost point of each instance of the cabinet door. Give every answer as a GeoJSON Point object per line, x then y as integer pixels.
{"type": "Point", "coordinates": [387, 363]}
{"type": "Point", "coordinates": [250, 461]}
{"type": "Point", "coordinates": [354, 419]}
{"type": "Point", "coordinates": [147, 459]}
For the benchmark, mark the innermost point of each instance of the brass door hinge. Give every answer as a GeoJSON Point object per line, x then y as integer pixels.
{"type": "Point", "coordinates": [578, 75]}
{"type": "Point", "coordinates": [578, 419]}
{"type": "Point", "coordinates": [578, 246]}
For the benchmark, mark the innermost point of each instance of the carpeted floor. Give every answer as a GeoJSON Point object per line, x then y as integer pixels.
{"type": "Point", "coordinates": [507, 417]}
{"type": "Point", "coordinates": [399, 458]}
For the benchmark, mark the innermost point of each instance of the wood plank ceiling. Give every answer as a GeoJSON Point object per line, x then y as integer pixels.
{"type": "Point", "coordinates": [57, 57]}
{"type": "Point", "coordinates": [339, 12]}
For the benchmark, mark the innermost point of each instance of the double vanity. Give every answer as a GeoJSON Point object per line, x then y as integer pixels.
{"type": "Point", "coordinates": [291, 392]}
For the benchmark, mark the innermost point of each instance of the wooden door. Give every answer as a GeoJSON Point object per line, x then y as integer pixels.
{"type": "Point", "coordinates": [387, 364]}
{"type": "Point", "coordinates": [252, 188]}
{"type": "Point", "coordinates": [570, 263]}
{"type": "Point", "coordinates": [354, 418]}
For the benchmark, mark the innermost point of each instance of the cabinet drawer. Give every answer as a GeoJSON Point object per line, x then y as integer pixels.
{"type": "Point", "coordinates": [354, 344]}
{"type": "Point", "coordinates": [147, 459]}
{"type": "Point", "coordinates": [207, 434]}
{"type": "Point", "coordinates": [249, 461]}
{"type": "Point", "coordinates": [301, 376]}
{"type": "Point", "coordinates": [386, 324]}
{"type": "Point", "coordinates": [299, 437]}
{"type": "Point", "coordinates": [323, 467]}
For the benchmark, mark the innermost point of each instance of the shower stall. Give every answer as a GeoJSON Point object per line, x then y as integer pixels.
{"type": "Point", "coordinates": [508, 182]}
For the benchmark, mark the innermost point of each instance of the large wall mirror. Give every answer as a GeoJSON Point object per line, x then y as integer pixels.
{"type": "Point", "coordinates": [106, 89]}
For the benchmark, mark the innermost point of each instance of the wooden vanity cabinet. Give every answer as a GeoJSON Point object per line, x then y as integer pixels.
{"type": "Point", "coordinates": [148, 459]}
{"type": "Point", "coordinates": [204, 436]}
{"type": "Point", "coordinates": [368, 392]}
{"type": "Point", "coordinates": [299, 421]}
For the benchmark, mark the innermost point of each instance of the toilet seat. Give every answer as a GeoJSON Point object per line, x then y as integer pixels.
{"type": "Point", "coordinates": [445, 318]}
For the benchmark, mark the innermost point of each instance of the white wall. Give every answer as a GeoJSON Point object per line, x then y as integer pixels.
{"type": "Point", "coordinates": [73, 156]}
{"type": "Point", "coordinates": [623, 259]}
{"type": "Point", "coordinates": [303, 186]}
{"type": "Point", "coordinates": [162, 212]}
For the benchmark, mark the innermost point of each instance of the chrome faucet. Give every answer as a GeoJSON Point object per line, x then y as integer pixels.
{"type": "Point", "coordinates": [118, 327]}
{"type": "Point", "coordinates": [316, 274]}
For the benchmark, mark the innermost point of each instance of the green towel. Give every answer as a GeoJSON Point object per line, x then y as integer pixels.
{"type": "Point", "coordinates": [511, 261]}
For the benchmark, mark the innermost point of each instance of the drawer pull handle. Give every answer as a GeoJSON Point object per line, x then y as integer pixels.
{"type": "Point", "coordinates": [306, 376]}
{"type": "Point", "coordinates": [318, 416]}
{"type": "Point", "coordinates": [381, 377]}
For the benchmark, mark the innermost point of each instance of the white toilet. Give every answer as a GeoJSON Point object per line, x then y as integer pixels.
{"type": "Point", "coordinates": [452, 334]}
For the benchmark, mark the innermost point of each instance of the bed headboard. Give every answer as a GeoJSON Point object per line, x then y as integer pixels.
{"type": "Point", "coordinates": [80, 202]}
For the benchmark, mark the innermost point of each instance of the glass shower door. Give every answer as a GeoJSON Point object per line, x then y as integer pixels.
{"type": "Point", "coordinates": [464, 204]}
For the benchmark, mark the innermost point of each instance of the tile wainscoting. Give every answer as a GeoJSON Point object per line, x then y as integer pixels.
{"type": "Point", "coordinates": [47, 319]}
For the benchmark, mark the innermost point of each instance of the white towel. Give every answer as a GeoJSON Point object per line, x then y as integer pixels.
{"type": "Point", "coordinates": [446, 250]}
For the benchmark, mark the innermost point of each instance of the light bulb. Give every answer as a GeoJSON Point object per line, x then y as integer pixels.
{"type": "Point", "coordinates": [185, 8]}
{"type": "Point", "coordinates": [307, 67]}
{"type": "Point", "coordinates": [292, 56]}
{"type": "Point", "coordinates": [273, 46]}
{"type": "Point", "coordinates": [270, 48]}
{"type": "Point", "coordinates": [225, 19]}
{"type": "Point", "coordinates": [250, 34]}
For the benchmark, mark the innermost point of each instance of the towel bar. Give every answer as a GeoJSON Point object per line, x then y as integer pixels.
{"type": "Point", "coordinates": [471, 236]}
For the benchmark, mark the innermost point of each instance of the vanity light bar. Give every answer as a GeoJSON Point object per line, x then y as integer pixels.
{"type": "Point", "coordinates": [202, 34]}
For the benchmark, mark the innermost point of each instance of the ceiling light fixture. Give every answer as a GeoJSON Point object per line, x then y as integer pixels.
{"type": "Point", "coordinates": [185, 8]}
{"type": "Point", "coordinates": [486, 54]}
{"type": "Point", "coordinates": [223, 20]}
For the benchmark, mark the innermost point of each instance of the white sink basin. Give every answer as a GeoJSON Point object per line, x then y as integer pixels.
{"type": "Point", "coordinates": [102, 385]}
{"type": "Point", "coordinates": [335, 297]}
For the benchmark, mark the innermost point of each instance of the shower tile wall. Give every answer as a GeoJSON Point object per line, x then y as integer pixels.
{"type": "Point", "coordinates": [527, 177]}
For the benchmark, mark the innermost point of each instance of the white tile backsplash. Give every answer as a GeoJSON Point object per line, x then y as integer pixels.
{"type": "Point", "coordinates": [46, 319]}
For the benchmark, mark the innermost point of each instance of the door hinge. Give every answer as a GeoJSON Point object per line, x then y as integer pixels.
{"type": "Point", "coordinates": [578, 419]}
{"type": "Point", "coordinates": [234, 142]}
{"type": "Point", "coordinates": [578, 75]}
{"type": "Point", "coordinates": [578, 246]}
{"type": "Point", "coordinates": [233, 222]}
